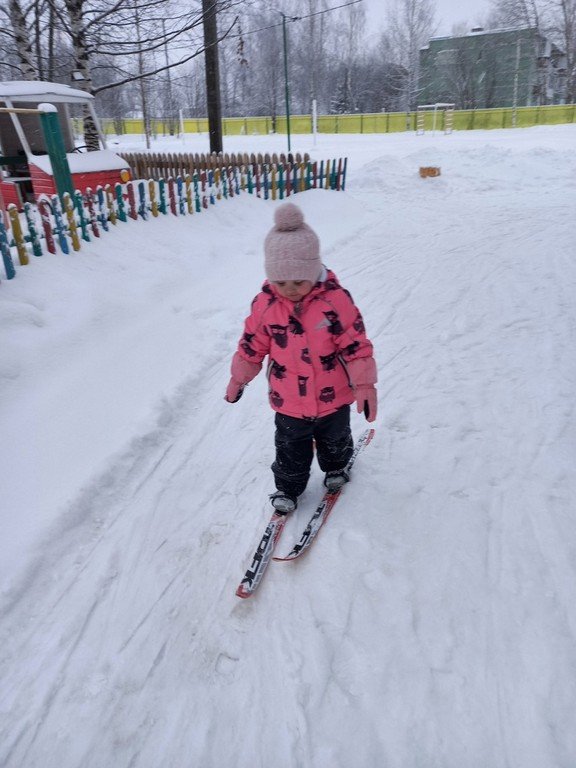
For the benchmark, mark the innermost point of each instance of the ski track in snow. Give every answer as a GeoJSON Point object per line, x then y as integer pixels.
{"type": "Point", "coordinates": [433, 625]}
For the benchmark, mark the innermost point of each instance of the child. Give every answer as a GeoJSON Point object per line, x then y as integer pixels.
{"type": "Point", "coordinates": [319, 359]}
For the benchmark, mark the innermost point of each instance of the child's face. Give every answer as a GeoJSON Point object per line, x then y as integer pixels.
{"type": "Point", "coordinates": [294, 290]}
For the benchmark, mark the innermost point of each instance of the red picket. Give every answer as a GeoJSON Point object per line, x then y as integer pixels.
{"type": "Point", "coordinates": [132, 201]}
{"type": "Point", "coordinates": [89, 197]}
{"type": "Point", "coordinates": [203, 186]}
{"type": "Point", "coordinates": [44, 209]}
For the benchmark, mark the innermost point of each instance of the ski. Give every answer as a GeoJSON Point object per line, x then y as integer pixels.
{"type": "Point", "coordinates": [262, 555]}
{"type": "Point", "coordinates": [325, 507]}
{"type": "Point", "coordinates": [265, 548]}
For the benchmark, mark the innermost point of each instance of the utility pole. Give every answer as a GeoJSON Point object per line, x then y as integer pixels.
{"type": "Point", "coordinates": [212, 74]}
{"type": "Point", "coordinates": [287, 92]}
{"type": "Point", "coordinates": [171, 111]}
{"type": "Point", "coordinates": [141, 82]}
{"type": "Point", "coordinates": [516, 75]}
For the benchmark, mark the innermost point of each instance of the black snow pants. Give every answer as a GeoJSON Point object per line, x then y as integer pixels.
{"type": "Point", "coordinates": [295, 439]}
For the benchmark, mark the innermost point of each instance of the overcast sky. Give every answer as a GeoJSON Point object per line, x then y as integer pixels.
{"type": "Point", "coordinates": [448, 12]}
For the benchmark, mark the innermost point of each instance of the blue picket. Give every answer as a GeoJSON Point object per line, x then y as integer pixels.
{"type": "Point", "coordinates": [197, 193]}
{"type": "Point", "coordinates": [60, 228]}
{"type": "Point", "coordinates": [120, 203]}
{"type": "Point", "coordinates": [33, 235]}
{"type": "Point", "coordinates": [211, 186]}
{"type": "Point", "coordinates": [345, 167]}
{"type": "Point", "coordinates": [162, 207]}
{"type": "Point", "coordinates": [142, 206]}
{"type": "Point", "coordinates": [181, 196]}
{"type": "Point", "coordinates": [102, 209]}
{"type": "Point", "coordinates": [6, 255]}
{"type": "Point", "coordinates": [79, 202]}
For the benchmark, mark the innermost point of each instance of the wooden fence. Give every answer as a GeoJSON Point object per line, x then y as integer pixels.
{"type": "Point", "coordinates": [63, 225]}
{"type": "Point", "coordinates": [155, 165]}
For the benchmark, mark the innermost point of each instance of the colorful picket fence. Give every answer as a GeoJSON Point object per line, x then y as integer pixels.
{"type": "Point", "coordinates": [63, 224]}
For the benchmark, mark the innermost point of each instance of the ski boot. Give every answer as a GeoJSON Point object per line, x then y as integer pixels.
{"type": "Point", "coordinates": [283, 503]}
{"type": "Point", "coordinates": [335, 479]}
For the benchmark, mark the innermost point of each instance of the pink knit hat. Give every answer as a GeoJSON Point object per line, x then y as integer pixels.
{"type": "Point", "coordinates": [291, 248]}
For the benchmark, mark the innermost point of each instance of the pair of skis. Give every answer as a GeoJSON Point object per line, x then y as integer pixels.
{"type": "Point", "coordinates": [265, 549]}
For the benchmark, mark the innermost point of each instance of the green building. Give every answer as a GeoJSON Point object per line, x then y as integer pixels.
{"type": "Point", "coordinates": [492, 68]}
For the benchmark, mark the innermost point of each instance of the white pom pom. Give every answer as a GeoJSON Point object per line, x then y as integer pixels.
{"type": "Point", "coordinates": [288, 217]}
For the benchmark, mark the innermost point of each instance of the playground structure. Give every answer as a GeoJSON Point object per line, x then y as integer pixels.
{"type": "Point", "coordinates": [447, 111]}
{"type": "Point", "coordinates": [37, 151]}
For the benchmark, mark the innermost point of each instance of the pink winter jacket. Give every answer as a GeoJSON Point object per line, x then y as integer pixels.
{"type": "Point", "coordinates": [317, 349]}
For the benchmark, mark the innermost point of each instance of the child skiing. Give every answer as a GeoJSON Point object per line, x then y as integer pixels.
{"type": "Point", "coordinates": [319, 359]}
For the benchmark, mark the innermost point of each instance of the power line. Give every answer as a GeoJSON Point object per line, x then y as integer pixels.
{"type": "Point", "coordinates": [291, 19]}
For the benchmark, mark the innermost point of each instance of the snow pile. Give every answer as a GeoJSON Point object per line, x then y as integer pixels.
{"type": "Point", "coordinates": [433, 622]}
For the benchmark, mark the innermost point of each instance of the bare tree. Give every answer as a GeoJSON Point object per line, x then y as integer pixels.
{"type": "Point", "coordinates": [554, 18]}
{"type": "Point", "coordinates": [313, 51]}
{"type": "Point", "coordinates": [351, 29]}
{"type": "Point", "coordinates": [264, 71]}
{"type": "Point", "coordinates": [33, 46]}
{"type": "Point", "coordinates": [105, 28]}
{"type": "Point", "coordinates": [190, 85]}
{"type": "Point", "coordinates": [563, 30]}
{"type": "Point", "coordinates": [514, 13]}
{"type": "Point", "coordinates": [410, 25]}
{"type": "Point", "coordinates": [311, 41]}
{"type": "Point", "coordinates": [328, 60]}
{"type": "Point", "coordinates": [20, 35]}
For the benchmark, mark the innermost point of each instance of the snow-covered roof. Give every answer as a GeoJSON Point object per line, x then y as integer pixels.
{"type": "Point", "coordinates": [482, 31]}
{"type": "Point", "coordinates": [84, 162]}
{"type": "Point", "coordinates": [36, 91]}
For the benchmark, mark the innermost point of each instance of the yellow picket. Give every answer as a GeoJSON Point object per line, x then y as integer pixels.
{"type": "Point", "coordinates": [70, 215]}
{"type": "Point", "coordinates": [18, 235]}
{"type": "Point", "coordinates": [152, 194]}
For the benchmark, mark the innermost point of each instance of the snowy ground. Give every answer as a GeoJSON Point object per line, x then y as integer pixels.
{"type": "Point", "coordinates": [433, 625]}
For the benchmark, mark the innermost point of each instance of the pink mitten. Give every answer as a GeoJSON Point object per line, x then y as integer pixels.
{"type": "Point", "coordinates": [234, 391]}
{"type": "Point", "coordinates": [364, 375]}
{"type": "Point", "coordinates": [367, 401]}
{"type": "Point", "coordinates": [243, 371]}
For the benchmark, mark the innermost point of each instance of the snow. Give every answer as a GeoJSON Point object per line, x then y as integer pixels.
{"type": "Point", "coordinates": [35, 91]}
{"type": "Point", "coordinates": [47, 108]}
{"type": "Point", "coordinates": [433, 623]}
{"type": "Point", "coordinates": [85, 162]}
